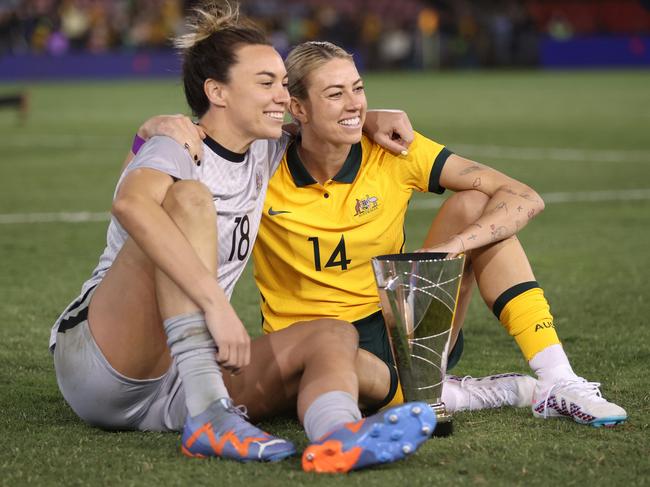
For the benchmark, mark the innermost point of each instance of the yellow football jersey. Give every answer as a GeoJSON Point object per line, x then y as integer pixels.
{"type": "Point", "coordinates": [312, 254]}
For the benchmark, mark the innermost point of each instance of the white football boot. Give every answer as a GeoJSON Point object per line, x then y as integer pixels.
{"type": "Point", "coordinates": [577, 399]}
{"type": "Point", "coordinates": [494, 391]}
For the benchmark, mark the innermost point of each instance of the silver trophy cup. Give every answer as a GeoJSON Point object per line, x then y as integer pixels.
{"type": "Point", "coordinates": [418, 294]}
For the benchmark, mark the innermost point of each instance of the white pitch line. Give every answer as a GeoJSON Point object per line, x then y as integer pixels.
{"type": "Point", "coordinates": [551, 153]}
{"type": "Point", "coordinates": [549, 198]}
{"type": "Point", "coordinates": [570, 197]}
{"type": "Point", "coordinates": [62, 217]}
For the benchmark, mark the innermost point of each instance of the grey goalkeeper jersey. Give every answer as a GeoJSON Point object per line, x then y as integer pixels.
{"type": "Point", "coordinates": [238, 185]}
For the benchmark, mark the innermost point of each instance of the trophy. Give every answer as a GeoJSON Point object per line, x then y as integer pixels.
{"type": "Point", "coordinates": [418, 294]}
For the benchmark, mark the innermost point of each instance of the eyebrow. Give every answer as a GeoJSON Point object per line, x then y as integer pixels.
{"type": "Point", "coordinates": [341, 86]}
{"type": "Point", "coordinates": [268, 73]}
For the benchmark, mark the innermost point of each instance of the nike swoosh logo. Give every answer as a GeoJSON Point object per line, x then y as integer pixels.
{"type": "Point", "coordinates": [272, 212]}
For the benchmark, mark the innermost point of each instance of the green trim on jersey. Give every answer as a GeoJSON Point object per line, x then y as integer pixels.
{"type": "Point", "coordinates": [302, 178]}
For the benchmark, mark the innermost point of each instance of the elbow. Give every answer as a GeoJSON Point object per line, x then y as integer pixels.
{"type": "Point", "coordinates": [537, 200]}
{"type": "Point", "coordinates": [122, 209]}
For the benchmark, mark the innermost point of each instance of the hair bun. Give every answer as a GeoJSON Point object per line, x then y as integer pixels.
{"type": "Point", "coordinates": [209, 17]}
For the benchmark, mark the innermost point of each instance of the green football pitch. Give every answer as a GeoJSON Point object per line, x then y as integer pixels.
{"type": "Point", "coordinates": [582, 139]}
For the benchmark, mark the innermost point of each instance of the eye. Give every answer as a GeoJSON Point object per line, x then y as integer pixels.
{"type": "Point", "coordinates": [359, 89]}
{"type": "Point", "coordinates": [267, 84]}
{"type": "Point", "coordinates": [335, 95]}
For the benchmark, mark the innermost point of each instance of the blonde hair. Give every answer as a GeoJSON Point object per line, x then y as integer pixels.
{"type": "Point", "coordinates": [305, 58]}
{"type": "Point", "coordinates": [215, 32]}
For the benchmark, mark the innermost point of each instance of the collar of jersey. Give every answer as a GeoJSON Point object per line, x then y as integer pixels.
{"type": "Point", "coordinates": [301, 176]}
{"type": "Point", "coordinates": [221, 151]}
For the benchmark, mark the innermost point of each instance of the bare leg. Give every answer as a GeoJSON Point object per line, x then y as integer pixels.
{"type": "Point", "coordinates": [127, 310]}
{"type": "Point", "coordinates": [298, 363]}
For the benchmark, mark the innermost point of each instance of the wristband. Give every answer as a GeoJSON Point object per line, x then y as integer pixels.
{"type": "Point", "coordinates": [137, 143]}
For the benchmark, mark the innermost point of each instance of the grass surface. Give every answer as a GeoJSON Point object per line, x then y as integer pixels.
{"type": "Point", "coordinates": [591, 258]}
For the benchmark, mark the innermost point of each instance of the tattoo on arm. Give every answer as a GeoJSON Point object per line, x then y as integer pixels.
{"type": "Point", "coordinates": [502, 206]}
{"type": "Point", "coordinates": [509, 191]}
{"type": "Point", "coordinates": [498, 233]}
{"type": "Point", "coordinates": [478, 225]}
{"type": "Point", "coordinates": [472, 237]}
{"type": "Point", "coordinates": [527, 196]}
{"type": "Point", "coordinates": [468, 170]}
{"type": "Point", "coordinates": [519, 208]}
{"type": "Point", "coordinates": [531, 214]}
{"type": "Point", "coordinates": [476, 183]}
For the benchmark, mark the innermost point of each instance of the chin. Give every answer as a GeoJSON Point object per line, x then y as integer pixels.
{"type": "Point", "coordinates": [353, 138]}
{"type": "Point", "coordinates": [271, 132]}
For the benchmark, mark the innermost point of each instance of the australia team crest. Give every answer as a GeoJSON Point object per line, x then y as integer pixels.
{"type": "Point", "coordinates": [366, 205]}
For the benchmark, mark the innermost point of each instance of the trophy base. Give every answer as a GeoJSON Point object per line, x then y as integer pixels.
{"type": "Point", "coordinates": [444, 425]}
{"type": "Point", "coordinates": [444, 428]}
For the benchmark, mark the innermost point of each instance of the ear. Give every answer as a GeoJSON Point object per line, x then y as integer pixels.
{"type": "Point", "coordinates": [298, 110]}
{"type": "Point", "coordinates": [216, 92]}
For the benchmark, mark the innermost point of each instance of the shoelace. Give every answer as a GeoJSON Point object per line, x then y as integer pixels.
{"type": "Point", "coordinates": [580, 386]}
{"type": "Point", "coordinates": [488, 395]}
{"type": "Point", "coordinates": [241, 410]}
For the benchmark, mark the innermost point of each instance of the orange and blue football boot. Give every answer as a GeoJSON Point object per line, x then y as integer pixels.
{"type": "Point", "coordinates": [385, 437]}
{"type": "Point", "coordinates": [222, 430]}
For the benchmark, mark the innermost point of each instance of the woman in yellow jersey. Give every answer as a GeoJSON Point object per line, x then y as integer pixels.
{"type": "Point", "coordinates": [332, 170]}
{"type": "Point", "coordinates": [338, 199]}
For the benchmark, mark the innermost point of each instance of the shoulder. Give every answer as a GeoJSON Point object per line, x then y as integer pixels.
{"type": "Point", "coordinates": [166, 155]}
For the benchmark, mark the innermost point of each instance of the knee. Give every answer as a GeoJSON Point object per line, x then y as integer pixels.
{"type": "Point", "coordinates": [340, 334]}
{"type": "Point", "coordinates": [189, 199]}
{"type": "Point", "coordinates": [467, 206]}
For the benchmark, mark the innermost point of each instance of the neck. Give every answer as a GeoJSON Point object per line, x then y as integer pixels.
{"type": "Point", "coordinates": [322, 159]}
{"type": "Point", "coordinates": [225, 133]}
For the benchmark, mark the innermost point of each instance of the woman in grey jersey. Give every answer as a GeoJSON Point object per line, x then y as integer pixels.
{"type": "Point", "coordinates": [144, 345]}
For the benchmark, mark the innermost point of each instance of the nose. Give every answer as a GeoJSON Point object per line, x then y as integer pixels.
{"type": "Point", "coordinates": [354, 102]}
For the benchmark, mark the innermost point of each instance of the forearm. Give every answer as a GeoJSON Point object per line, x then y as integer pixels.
{"type": "Point", "coordinates": [509, 210]}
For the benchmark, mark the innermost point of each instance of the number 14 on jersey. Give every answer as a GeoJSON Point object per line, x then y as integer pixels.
{"type": "Point", "coordinates": [338, 258]}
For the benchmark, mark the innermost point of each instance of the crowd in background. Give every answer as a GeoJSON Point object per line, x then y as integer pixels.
{"type": "Point", "coordinates": [382, 33]}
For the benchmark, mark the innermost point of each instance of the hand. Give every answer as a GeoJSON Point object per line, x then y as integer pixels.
{"type": "Point", "coordinates": [232, 339]}
{"type": "Point", "coordinates": [178, 127]}
{"type": "Point", "coordinates": [453, 247]}
{"type": "Point", "coordinates": [391, 129]}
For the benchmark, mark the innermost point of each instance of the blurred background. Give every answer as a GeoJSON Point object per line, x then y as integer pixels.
{"type": "Point", "coordinates": [113, 38]}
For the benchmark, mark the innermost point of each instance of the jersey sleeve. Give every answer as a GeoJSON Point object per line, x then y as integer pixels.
{"type": "Point", "coordinates": [165, 155]}
{"type": "Point", "coordinates": [422, 167]}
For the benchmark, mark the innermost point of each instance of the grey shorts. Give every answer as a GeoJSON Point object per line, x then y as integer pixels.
{"type": "Point", "coordinates": [103, 397]}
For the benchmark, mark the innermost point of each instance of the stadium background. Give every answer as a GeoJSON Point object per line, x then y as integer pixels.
{"type": "Point", "coordinates": [555, 93]}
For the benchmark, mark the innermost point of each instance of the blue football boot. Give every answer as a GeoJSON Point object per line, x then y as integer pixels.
{"type": "Point", "coordinates": [222, 430]}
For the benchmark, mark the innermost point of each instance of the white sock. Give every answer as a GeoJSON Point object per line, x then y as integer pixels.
{"type": "Point", "coordinates": [551, 365]}
{"type": "Point", "coordinates": [194, 351]}
{"type": "Point", "coordinates": [328, 412]}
